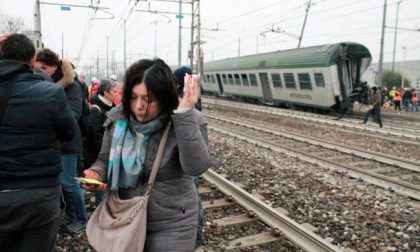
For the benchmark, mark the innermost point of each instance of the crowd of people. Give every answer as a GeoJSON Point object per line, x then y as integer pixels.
{"type": "Point", "coordinates": [378, 99]}
{"type": "Point", "coordinates": [395, 97]}
{"type": "Point", "coordinates": [54, 127]}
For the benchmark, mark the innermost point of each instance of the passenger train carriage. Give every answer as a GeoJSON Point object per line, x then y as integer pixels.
{"type": "Point", "coordinates": [323, 77]}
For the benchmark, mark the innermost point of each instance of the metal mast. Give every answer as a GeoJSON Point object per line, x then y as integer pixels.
{"type": "Point", "coordinates": [304, 24]}
{"type": "Point", "coordinates": [37, 26]}
{"type": "Point", "coordinates": [381, 55]}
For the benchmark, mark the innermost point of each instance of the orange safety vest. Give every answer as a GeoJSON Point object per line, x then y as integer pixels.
{"type": "Point", "coordinates": [397, 96]}
{"type": "Point", "coordinates": [414, 97]}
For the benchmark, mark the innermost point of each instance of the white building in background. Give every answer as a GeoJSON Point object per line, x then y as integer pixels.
{"type": "Point", "coordinates": [410, 70]}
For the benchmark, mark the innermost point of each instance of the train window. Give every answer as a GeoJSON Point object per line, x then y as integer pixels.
{"type": "Point", "coordinates": [237, 79]}
{"type": "Point", "coordinates": [304, 81]}
{"type": "Point", "coordinates": [213, 79]}
{"type": "Point", "coordinates": [319, 80]}
{"type": "Point", "coordinates": [253, 80]}
{"type": "Point", "coordinates": [224, 79]}
{"type": "Point", "coordinates": [230, 79]}
{"type": "Point", "coordinates": [208, 78]}
{"type": "Point", "coordinates": [289, 80]}
{"type": "Point", "coordinates": [244, 78]}
{"type": "Point", "coordinates": [276, 80]}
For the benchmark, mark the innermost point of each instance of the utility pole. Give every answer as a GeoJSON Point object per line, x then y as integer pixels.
{"type": "Point", "coordinates": [62, 45]}
{"type": "Point", "coordinates": [155, 51]}
{"type": "Point", "coordinates": [402, 73]}
{"type": "Point", "coordinates": [125, 52]}
{"type": "Point", "coordinates": [257, 43]}
{"type": "Point", "coordinates": [200, 56]}
{"type": "Point", "coordinates": [97, 64]}
{"type": "Point", "coordinates": [381, 55]}
{"type": "Point", "coordinates": [192, 36]}
{"type": "Point", "coordinates": [395, 35]}
{"type": "Point", "coordinates": [179, 16]}
{"type": "Point", "coordinates": [114, 65]}
{"type": "Point", "coordinates": [107, 69]}
{"type": "Point", "coordinates": [304, 24]}
{"type": "Point", "coordinates": [239, 47]}
{"type": "Point", "coordinates": [37, 26]}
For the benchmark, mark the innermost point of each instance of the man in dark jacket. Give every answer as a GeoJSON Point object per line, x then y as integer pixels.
{"type": "Point", "coordinates": [30, 162]}
{"type": "Point", "coordinates": [61, 71]}
{"type": "Point", "coordinates": [375, 106]}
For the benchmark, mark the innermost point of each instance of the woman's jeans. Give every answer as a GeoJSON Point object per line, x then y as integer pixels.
{"type": "Point", "coordinates": [29, 219]}
{"type": "Point", "coordinates": [73, 195]}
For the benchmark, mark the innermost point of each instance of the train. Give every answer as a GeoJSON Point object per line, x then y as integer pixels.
{"type": "Point", "coordinates": [324, 77]}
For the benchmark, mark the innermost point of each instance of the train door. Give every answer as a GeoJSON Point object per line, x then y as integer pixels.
{"type": "Point", "coordinates": [346, 74]}
{"type": "Point", "coordinates": [268, 97]}
{"type": "Point", "coordinates": [219, 83]}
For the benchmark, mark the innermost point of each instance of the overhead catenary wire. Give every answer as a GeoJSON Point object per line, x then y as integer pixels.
{"type": "Point", "coordinates": [234, 35]}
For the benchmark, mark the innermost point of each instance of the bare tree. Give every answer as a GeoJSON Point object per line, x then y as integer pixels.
{"type": "Point", "coordinates": [11, 24]}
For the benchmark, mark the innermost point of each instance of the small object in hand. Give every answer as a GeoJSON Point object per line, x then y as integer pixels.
{"type": "Point", "coordinates": [88, 181]}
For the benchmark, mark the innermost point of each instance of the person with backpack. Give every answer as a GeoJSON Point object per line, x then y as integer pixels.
{"type": "Point", "coordinates": [414, 100]}
{"type": "Point", "coordinates": [62, 73]}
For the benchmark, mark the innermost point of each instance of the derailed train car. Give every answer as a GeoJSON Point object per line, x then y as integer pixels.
{"type": "Point", "coordinates": [326, 77]}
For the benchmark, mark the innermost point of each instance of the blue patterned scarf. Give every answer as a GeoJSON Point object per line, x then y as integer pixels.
{"type": "Point", "coordinates": [128, 150]}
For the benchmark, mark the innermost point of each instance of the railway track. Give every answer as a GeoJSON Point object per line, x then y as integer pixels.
{"type": "Point", "coordinates": [272, 233]}
{"type": "Point", "coordinates": [398, 174]}
{"type": "Point", "coordinates": [399, 133]}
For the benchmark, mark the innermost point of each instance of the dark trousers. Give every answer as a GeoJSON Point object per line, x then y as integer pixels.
{"type": "Point", "coordinates": [29, 219]}
{"type": "Point", "coordinates": [200, 217]}
{"type": "Point", "coordinates": [376, 113]}
{"type": "Point", "coordinates": [397, 104]}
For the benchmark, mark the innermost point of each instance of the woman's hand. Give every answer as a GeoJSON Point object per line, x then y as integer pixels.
{"type": "Point", "coordinates": [190, 97]}
{"type": "Point", "coordinates": [92, 174]}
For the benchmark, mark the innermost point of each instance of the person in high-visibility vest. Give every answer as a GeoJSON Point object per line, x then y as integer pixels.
{"type": "Point", "coordinates": [392, 93]}
{"type": "Point", "coordinates": [414, 101]}
{"type": "Point", "coordinates": [397, 99]}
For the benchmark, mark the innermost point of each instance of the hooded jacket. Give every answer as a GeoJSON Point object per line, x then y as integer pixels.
{"type": "Point", "coordinates": [37, 117]}
{"type": "Point", "coordinates": [64, 76]}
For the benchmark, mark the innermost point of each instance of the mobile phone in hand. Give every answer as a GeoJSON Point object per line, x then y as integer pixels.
{"type": "Point", "coordinates": [88, 181]}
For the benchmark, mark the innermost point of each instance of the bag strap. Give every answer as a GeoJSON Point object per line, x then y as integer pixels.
{"type": "Point", "coordinates": [159, 156]}
{"type": "Point", "coordinates": [97, 107]}
{"type": "Point", "coordinates": [4, 99]}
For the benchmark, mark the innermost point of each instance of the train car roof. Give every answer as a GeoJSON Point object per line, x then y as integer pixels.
{"type": "Point", "coordinates": [314, 56]}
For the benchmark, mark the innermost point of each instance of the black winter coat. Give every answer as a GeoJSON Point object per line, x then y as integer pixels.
{"type": "Point", "coordinates": [37, 117]}
{"type": "Point", "coordinates": [93, 143]}
{"type": "Point", "coordinates": [64, 76]}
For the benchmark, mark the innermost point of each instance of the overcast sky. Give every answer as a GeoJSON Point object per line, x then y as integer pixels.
{"type": "Point", "coordinates": [224, 23]}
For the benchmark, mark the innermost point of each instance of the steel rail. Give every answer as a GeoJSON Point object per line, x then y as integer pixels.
{"type": "Point", "coordinates": [399, 186]}
{"type": "Point", "coordinates": [303, 238]}
{"type": "Point", "coordinates": [380, 157]}
{"type": "Point", "coordinates": [412, 134]}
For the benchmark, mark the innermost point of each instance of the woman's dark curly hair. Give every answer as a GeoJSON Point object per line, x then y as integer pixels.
{"type": "Point", "coordinates": [160, 84]}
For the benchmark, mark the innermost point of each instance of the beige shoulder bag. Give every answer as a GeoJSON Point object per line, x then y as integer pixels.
{"type": "Point", "coordinates": [120, 225]}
